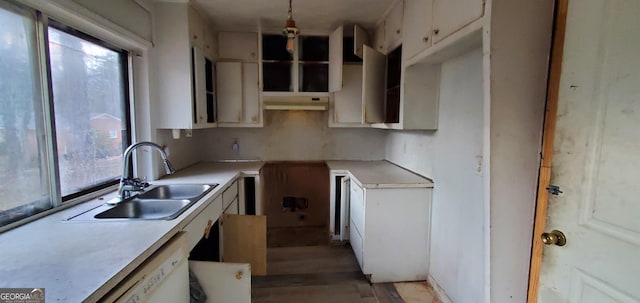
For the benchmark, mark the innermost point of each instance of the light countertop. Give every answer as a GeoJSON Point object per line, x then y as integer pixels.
{"type": "Point", "coordinates": [380, 174]}
{"type": "Point", "coordinates": [78, 261]}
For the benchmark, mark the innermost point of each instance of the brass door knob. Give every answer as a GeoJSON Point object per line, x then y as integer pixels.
{"type": "Point", "coordinates": [555, 237]}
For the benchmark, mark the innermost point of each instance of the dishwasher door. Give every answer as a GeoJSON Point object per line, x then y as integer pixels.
{"type": "Point", "coordinates": [163, 277]}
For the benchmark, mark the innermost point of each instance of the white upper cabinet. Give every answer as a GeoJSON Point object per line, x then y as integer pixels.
{"type": "Point", "coordinates": [451, 15]}
{"type": "Point", "coordinates": [238, 80]}
{"type": "Point", "coordinates": [335, 59]}
{"type": "Point", "coordinates": [238, 94]}
{"type": "Point", "coordinates": [238, 46]}
{"type": "Point", "coordinates": [393, 27]}
{"type": "Point", "coordinates": [417, 27]}
{"type": "Point", "coordinates": [183, 83]}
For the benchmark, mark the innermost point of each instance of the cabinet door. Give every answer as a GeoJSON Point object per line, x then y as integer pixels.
{"type": "Point", "coordinates": [335, 59]}
{"type": "Point", "coordinates": [357, 208]}
{"type": "Point", "coordinates": [393, 27]}
{"type": "Point", "coordinates": [250, 93]}
{"type": "Point", "coordinates": [360, 39]}
{"type": "Point", "coordinates": [199, 79]}
{"type": "Point", "coordinates": [348, 102]}
{"type": "Point", "coordinates": [196, 28]}
{"type": "Point", "coordinates": [209, 41]}
{"type": "Point", "coordinates": [229, 85]}
{"type": "Point", "coordinates": [373, 86]}
{"type": "Point", "coordinates": [451, 15]}
{"type": "Point", "coordinates": [238, 46]}
{"type": "Point", "coordinates": [224, 282]}
{"type": "Point", "coordinates": [245, 241]}
{"type": "Point", "coordinates": [416, 27]}
{"type": "Point", "coordinates": [378, 38]}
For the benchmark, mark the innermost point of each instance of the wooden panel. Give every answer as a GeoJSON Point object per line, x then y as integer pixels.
{"type": "Point", "coordinates": [250, 93]}
{"type": "Point", "coordinates": [557, 53]}
{"type": "Point", "coordinates": [360, 39]}
{"type": "Point", "coordinates": [348, 102]}
{"type": "Point", "coordinates": [451, 15]}
{"type": "Point", "coordinates": [245, 241]}
{"type": "Point", "coordinates": [223, 282]}
{"type": "Point", "coordinates": [239, 46]}
{"type": "Point", "coordinates": [229, 95]}
{"type": "Point", "coordinates": [373, 86]}
{"type": "Point", "coordinates": [335, 59]}
{"type": "Point", "coordinates": [416, 27]}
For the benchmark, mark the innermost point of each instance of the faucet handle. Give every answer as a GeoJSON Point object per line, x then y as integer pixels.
{"type": "Point", "coordinates": [136, 183]}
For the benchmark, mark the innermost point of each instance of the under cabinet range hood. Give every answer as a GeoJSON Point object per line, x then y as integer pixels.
{"type": "Point", "coordinates": [296, 102]}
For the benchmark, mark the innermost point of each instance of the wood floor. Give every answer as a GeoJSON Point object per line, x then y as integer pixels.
{"type": "Point", "coordinates": [312, 274]}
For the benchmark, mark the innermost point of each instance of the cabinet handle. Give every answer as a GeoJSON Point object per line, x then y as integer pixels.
{"type": "Point", "coordinates": [239, 275]}
{"type": "Point", "coordinates": [398, 32]}
{"type": "Point", "coordinates": [208, 229]}
{"type": "Point", "coordinates": [425, 38]}
{"type": "Point", "coordinates": [195, 37]}
{"type": "Point", "coordinates": [436, 31]}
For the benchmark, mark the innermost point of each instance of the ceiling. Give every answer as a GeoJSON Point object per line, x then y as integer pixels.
{"type": "Point", "coordinates": [311, 16]}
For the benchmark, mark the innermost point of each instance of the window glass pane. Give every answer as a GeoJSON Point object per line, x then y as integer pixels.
{"type": "Point", "coordinates": [88, 94]}
{"type": "Point", "coordinates": [314, 77]}
{"type": "Point", "coordinates": [24, 177]}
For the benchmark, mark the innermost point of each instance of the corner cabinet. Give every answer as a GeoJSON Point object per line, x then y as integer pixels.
{"type": "Point", "coordinates": [389, 231]}
{"type": "Point", "coordinates": [238, 80]}
{"type": "Point", "coordinates": [184, 82]}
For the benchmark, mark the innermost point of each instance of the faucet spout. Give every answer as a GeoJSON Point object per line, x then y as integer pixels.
{"type": "Point", "coordinates": [127, 183]}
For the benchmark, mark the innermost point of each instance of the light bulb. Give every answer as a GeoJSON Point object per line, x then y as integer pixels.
{"type": "Point", "coordinates": [290, 44]}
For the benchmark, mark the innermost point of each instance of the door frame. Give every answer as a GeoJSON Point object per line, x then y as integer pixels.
{"type": "Point", "coordinates": [548, 136]}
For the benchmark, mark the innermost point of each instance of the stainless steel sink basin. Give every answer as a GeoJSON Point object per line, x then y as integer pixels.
{"type": "Point", "coordinates": [149, 209]}
{"type": "Point", "coordinates": [176, 191]}
{"type": "Point", "coordinates": [163, 202]}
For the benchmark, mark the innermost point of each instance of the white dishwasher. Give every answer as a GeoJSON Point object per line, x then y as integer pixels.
{"type": "Point", "coordinates": [163, 277]}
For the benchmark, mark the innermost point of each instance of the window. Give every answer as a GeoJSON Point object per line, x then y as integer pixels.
{"type": "Point", "coordinates": [63, 119]}
{"type": "Point", "coordinates": [307, 70]}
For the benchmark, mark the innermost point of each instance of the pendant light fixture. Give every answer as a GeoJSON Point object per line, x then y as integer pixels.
{"type": "Point", "coordinates": [290, 31]}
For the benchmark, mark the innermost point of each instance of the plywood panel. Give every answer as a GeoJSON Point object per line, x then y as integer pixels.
{"type": "Point", "coordinates": [245, 241]}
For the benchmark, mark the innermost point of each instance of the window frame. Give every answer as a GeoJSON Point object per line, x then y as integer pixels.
{"type": "Point", "coordinates": [46, 115]}
{"type": "Point", "coordinates": [124, 64]}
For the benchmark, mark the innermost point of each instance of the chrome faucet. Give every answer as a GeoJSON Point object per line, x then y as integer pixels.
{"type": "Point", "coordinates": [128, 184]}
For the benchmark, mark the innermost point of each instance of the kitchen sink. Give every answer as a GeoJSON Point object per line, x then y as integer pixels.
{"type": "Point", "coordinates": [149, 209]}
{"type": "Point", "coordinates": [163, 202]}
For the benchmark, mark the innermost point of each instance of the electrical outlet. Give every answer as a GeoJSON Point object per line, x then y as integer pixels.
{"type": "Point", "coordinates": [235, 147]}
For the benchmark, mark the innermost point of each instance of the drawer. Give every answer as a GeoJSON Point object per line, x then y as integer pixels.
{"type": "Point", "coordinates": [356, 244]}
{"type": "Point", "coordinates": [198, 226]}
{"type": "Point", "coordinates": [229, 194]}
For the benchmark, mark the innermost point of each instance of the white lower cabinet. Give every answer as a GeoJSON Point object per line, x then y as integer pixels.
{"type": "Point", "coordinates": [229, 281]}
{"type": "Point", "coordinates": [389, 232]}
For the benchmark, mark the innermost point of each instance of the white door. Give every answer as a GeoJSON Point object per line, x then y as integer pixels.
{"type": "Point", "coordinates": [596, 159]}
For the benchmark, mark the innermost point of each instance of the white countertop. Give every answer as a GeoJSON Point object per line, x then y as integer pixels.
{"type": "Point", "coordinates": [78, 261]}
{"type": "Point", "coordinates": [380, 174]}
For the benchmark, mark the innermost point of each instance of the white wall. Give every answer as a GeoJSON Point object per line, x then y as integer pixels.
{"type": "Point", "coordinates": [294, 135]}
{"type": "Point", "coordinates": [452, 157]}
